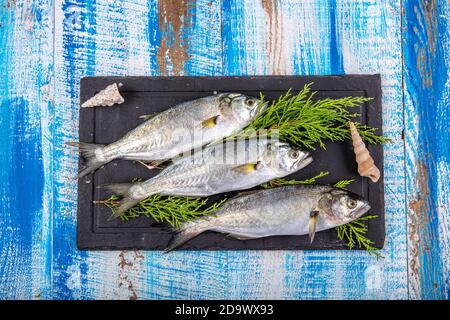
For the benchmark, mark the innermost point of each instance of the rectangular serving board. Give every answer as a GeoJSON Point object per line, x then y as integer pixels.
{"type": "Point", "coordinates": [149, 95]}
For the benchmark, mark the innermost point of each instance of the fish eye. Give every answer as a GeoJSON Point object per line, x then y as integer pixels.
{"type": "Point", "coordinates": [351, 203]}
{"type": "Point", "coordinates": [294, 154]}
{"type": "Point", "coordinates": [250, 102]}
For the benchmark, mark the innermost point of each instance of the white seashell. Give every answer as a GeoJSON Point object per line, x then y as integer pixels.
{"type": "Point", "coordinates": [366, 165]}
{"type": "Point", "coordinates": [105, 98]}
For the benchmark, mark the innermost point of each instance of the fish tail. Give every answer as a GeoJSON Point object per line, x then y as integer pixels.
{"type": "Point", "coordinates": [120, 189]}
{"type": "Point", "coordinates": [124, 205]}
{"type": "Point", "coordinates": [128, 202]}
{"type": "Point", "coordinates": [93, 153]}
{"type": "Point", "coordinates": [186, 233]}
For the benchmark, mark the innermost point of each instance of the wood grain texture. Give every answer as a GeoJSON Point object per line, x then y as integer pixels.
{"type": "Point", "coordinates": [195, 50]}
{"type": "Point", "coordinates": [26, 165]}
{"type": "Point", "coordinates": [46, 48]}
{"type": "Point", "coordinates": [426, 44]}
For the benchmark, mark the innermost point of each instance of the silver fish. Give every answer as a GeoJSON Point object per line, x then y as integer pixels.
{"type": "Point", "coordinates": [291, 210]}
{"type": "Point", "coordinates": [218, 168]}
{"type": "Point", "coordinates": [186, 126]}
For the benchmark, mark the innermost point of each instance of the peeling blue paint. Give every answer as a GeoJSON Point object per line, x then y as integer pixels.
{"type": "Point", "coordinates": [336, 58]}
{"type": "Point", "coordinates": [426, 33]}
{"type": "Point", "coordinates": [153, 36]}
{"type": "Point", "coordinates": [22, 191]}
{"type": "Point", "coordinates": [78, 53]}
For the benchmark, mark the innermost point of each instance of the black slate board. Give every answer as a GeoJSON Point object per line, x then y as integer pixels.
{"type": "Point", "coordinates": [147, 95]}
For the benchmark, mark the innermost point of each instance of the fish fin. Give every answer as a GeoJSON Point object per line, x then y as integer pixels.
{"type": "Point", "coordinates": [239, 237]}
{"type": "Point", "coordinates": [146, 117]}
{"type": "Point", "coordinates": [124, 205]}
{"type": "Point", "coordinates": [153, 164]}
{"type": "Point", "coordinates": [210, 123]}
{"type": "Point", "coordinates": [181, 237]}
{"type": "Point", "coordinates": [218, 141]}
{"type": "Point", "coordinates": [91, 153]}
{"type": "Point", "coordinates": [245, 193]}
{"type": "Point", "coordinates": [313, 217]}
{"type": "Point", "coordinates": [120, 189]}
{"type": "Point", "coordinates": [127, 202]}
{"type": "Point", "coordinates": [246, 168]}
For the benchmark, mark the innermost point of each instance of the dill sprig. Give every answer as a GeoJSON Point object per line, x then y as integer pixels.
{"type": "Point", "coordinates": [353, 233]}
{"type": "Point", "coordinates": [305, 122]}
{"type": "Point", "coordinates": [171, 209]}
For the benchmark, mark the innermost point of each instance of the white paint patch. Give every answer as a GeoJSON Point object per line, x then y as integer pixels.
{"type": "Point", "coordinates": [138, 59]}
{"type": "Point", "coordinates": [74, 278]}
{"type": "Point", "coordinates": [373, 278]}
{"type": "Point", "coordinates": [111, 40]}
{"type": "Point", "coordinates": [272, 275]}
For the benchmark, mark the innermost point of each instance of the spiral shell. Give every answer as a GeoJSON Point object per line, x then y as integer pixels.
{"type": "Point", "coordinates": [366, 165]}
{"type": "Point", "coordinates": [107, 97]}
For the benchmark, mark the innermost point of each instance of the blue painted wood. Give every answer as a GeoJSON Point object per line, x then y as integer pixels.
{"type": "Point", "coordinates": [427, 90]}
{"type": "Point", "coordinates": [75, 24]}
{"type": "Point", "coordinates": [25, 149]}
{"type": "Point", "coordinates": [48, 48]}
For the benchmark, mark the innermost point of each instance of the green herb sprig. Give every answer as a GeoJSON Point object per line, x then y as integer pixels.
{"type": "Point", "coordinates": [170, 209]}
{"type": "Point", "coordinates": [343, 184]}
{"type": "Point", "coordinates": [354, 234]}
{"type": "Point", "coordinates": [284, 182]}
{"type": "Point", "coordinates": [306, 122]}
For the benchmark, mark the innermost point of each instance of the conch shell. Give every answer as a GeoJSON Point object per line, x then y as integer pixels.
{"type": "Point", "coordinates": [107, 97]}
{"type": "Point", "coordinates": [366, 165]}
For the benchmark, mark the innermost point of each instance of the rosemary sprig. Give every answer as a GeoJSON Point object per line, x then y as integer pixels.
{"type": "Point", "coordinates": [171, 209]}
{"type": "Point", "coordinates": [306, 123]}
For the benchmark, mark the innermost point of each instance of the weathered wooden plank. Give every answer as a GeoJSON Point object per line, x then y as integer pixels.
{"type": "Point", "coordinates": [104, 37]}
{"type": "Point", "coordinates": [427, 90]}
{"type": "Point", "coordinates": [127, 38]}
{"type": "Point", "coordinates": [121, 48]}
{"type": "Point", "coordinates": [75, 25]}
{"type": "Point", "coordinates": [190, 44]}
{"type": "Point", "coordinates": [26, 143]}
{"type": "Point", "coordinates": [317, 37]}
{"type": "Point", "coordinates": [371, 42]}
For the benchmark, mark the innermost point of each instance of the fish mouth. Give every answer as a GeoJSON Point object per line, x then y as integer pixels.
{"type": "Point", "coordinates": [260, 107]}
{"type": "Point", "coordinates": [362, 210]}
{"type": "Point", "coordinates": [303, 161]}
